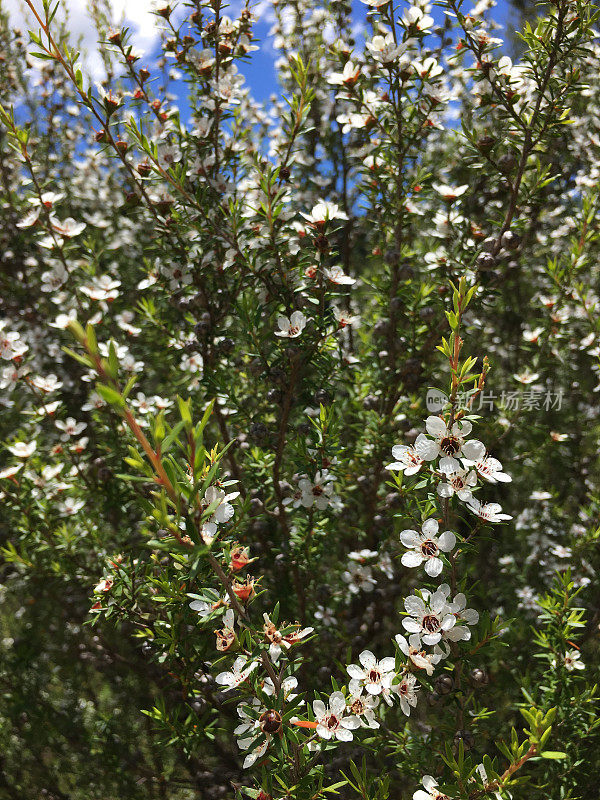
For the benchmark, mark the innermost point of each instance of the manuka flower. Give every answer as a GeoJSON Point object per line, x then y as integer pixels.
{"type": "Point", "coordinates": [426, 547]}
{"type": "Point", "coordinates": [332, 722]}
{"type": "Point", "coordinates": [373, 675]}
{"type": "Point", "coordinates": [291, 327]}
{"type": "Point", "coordinates": [430, 620]}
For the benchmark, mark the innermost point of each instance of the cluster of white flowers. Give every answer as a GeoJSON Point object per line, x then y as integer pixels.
{"type": "Point", "coordinates": [433, 619]}
{"type": "Point", "coordinates": [455, 463]}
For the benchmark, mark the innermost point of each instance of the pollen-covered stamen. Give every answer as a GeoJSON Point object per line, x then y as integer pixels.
{"type": "Point", "coordinates": [429, 548]}
{"type": "Point", "coordinates": [450, 445]}
{"type": "Point", "coordinates": [431, 623]}
{"type": "Point", "coordinates": [358, 706]}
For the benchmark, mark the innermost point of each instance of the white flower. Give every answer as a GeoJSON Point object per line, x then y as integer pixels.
{"type": "Point", "coordinates": [457, 480]}
{"type": "Point", "coordinates": [102, 288]}
{"type": "Point", "coordinates": [204, 607]}
{"type": "Point", "coordinates": [68, 228]}
{"type": "Point", "coordinates": [364, 705]}
{"type": "Point", "coordinates": [413, 649]}
{"type": "Point", "coordinates": [317, 492]}
{"type": "Point", "coordinates": [239, 673]}
{"type": "Point", "coordinates": [338, 276]}
{"type": "Point", "coordinates": [571, 660]}
{"type": "Point", "coordinates": [462, 614]}
{"type": "Point", "coordinates": [22, 449]}
{"type": "Point", "coordinates": [416, 18]}
{"type": "Point", "coordinates": [349, 76]}
{"type": "Point", "coordinates": [11, 345]}
{"type": "Point", "coordinates": [490, 469]}
{"type": "Point", "coordinates": [249, 729]}
{"type": "Point", "coordinates": [224, 510]}
{"type": "Point", "coordinates": [10, 472]}
{"type": "Point", "coordinates": [451, 442]}
{"type": "Point", "coordinates": [373, 675]}
{"type": "Point", "coordinates": [411, 458]}
{"type": "Point", "coordinates": [359, 577]}
{"type": "Point", "coordinates": [429, 620]}
{"type": "Point", "coordinates": [291, 327]}
{"type": "Point", "coordinates": [490, 512]}
{"type": "Point", "coordinates": [47, 383]}
{"type": "Point", "coordinates": [449, 193]}
{"type": "Point", "coordinates": [384, 48]}
{"type": "Point", "coordinates": [331, 722]}
{"type": "Point", "coordinates": [323, 212]}
{"type": "Point", "coordinates": [71, 506]}
{"type": "Point", "coordinates": [426, 546]}
{"type": "Point", "coordinates": [287, 687]}
{"type": "Point", "coordinates": [431, 792]}
{"type": "Point", "coordinates": [407, 692]}
{"type": "Point", "coordinates": [70, 427]}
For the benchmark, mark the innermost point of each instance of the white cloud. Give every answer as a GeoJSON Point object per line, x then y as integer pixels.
{"type": "Point", "coordinates": [135, 14]}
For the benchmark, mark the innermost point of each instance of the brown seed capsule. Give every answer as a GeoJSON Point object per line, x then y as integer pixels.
{"type": "Point", "coordinates": [270, 721]}
{"type": "Point", "coordinates": [485, 144]}
{"type": "Point", "coordinates": [478, 677]}
{"type": "Point", "coordinates": [444, 684]}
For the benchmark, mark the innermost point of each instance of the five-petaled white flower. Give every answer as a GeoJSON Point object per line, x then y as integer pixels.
{"type": "Point", "coordinates": [426, 546]}
{"type": "Point", "coordinates": [430, 619]}
{"type": "Point", "coordinates": [331, 719]}
{"type": "Point", "coordinates": [291, 327]}
{"type": "Point", "coordinates": [364, 705]}
{"type": "Point", "coordinates": [572, 660]}
{"type": "Point", "coordinates": [410, 458]}
{"type": "Point", "coordinates": [318, 492]}
{"type": "Point", "coordinates": [373, 675]}
{"type": "Point", "coordinates": [456, 480]}
{"type": "Point", "coordinates": [451, 442]}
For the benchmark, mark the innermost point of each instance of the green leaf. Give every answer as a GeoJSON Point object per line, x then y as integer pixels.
{"type": "Point", "coordinates": [111, 396]}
